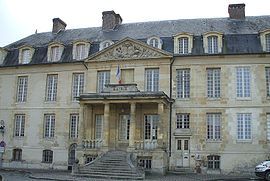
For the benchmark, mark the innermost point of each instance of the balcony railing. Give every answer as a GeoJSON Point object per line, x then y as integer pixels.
{"type": "Point", "coordinates": [146, 144]}
{"type": "Point", "coordinates": [91, 144]}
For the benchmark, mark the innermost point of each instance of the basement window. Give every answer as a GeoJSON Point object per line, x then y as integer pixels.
{"type": "Point", "coordinates": [89, 158]}
{"type": "Point", "coordinates": [213, 162]}
{"type": "Point", "coordinates": [145, 162]}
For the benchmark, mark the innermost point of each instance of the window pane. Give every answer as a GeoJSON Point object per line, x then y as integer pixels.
{"type": "Point", "coordinates": [74, 125]}
{"type": "Point", "coordinates": [152, 80]}
{"type": "Point", "coordinates": [19, 125]}
{"type": "Point", "coordinates": [151, 127]}
{"type": "Point", "coordinates": [244, 126]}
{"type": "Point", "coordinates": [182, 121]}
{"type": "Point", "coordinates": [55, 54]}
{"type": "Point", "coordinates": [243, 82]}
{"type": "Point", "coordinates": [49, 125]}
{"type": "Point", "coordinates": [22, 89]}
{"type": "Point", "coordinates": [51, 89]}
{"type": "Point", "coordinates": [267, 42]}
{"type": "Point", "coordinates": [26, 55]}
{"type": "Point", "coordinates": [212, 44]}
{"type": "Point", "coordinates": [183, 83]}
{"type": "Point", "coordinates": [78, 85]}
{"type": "Point", "coordinates": [80, 51]}
{"type": "Point", "coordinates": [268, 126]}
{"type": "Point", "coordinates": [267, 76]}
{"type": "Point", "coordinates": [47, 156]}
{"type": "Point", "coordinates": [99, 126]}
{"type": "Point", "coordinates": [103, 79]}
{"type": "Point", "coordinates": [213, 126]}
{"type": "Point", "coordinates": [213, 83]}
{"type": "Point", "coordinates": [183, 45]}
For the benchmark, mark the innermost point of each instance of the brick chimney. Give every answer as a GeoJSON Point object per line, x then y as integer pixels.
{"type": "Point", "coordinates": [58, 25]}
{"type": "Point", "coordinates": [237, 11]}
{"type": "Point", "coordinates": [110, 20]}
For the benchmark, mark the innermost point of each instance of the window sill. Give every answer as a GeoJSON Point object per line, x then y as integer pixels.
{"type": "Point", "coordinates": [183, 99]}
{"type": "Point", "coordinates": [243, 141]}
{"type": "Point", "coordinates": [19, 137]}
{"type": "Point", "coordinates": [50, 102]}
{"type": "Point", "coordinates": [213, 98]}
{"type": "Point", "coordinates": [243, 99]}
{"type": "Point", "coordinates": [213, 141]}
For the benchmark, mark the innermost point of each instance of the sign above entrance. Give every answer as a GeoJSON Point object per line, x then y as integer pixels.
{"type": "Point", "coordinates": [109, 88]}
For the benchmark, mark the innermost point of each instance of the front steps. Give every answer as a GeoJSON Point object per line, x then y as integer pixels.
{"type": "Point", "coordinates": [182, 170]}
{"type": "Point", "coordinates": [112, 165]}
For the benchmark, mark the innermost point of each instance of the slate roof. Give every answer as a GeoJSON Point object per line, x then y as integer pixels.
{"type": "Point", "coordinates": [240, 36]}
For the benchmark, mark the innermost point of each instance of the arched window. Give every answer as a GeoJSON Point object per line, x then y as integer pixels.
{"type": "Point", "coordinates": [154, 42]}
{"type": "Point", "coordinates": [212, 44]}
{"type": "Point", "coordinates": [72, 154]}
{"type": "Point", "coordinates": [17, 154]}
{"type": "Point", "coordinates": [55, 51]}
{"type": "Point", "coordinates": [47, 156]}
{"type": "Point", "coordinates": [105, 44]}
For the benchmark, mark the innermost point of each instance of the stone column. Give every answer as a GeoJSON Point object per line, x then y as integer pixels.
{"type": "Point", "coordinates": [132, 129]}
{"type": "Point", "coordinates": [81, 136]}
{"type": "Point", "coordinates": [160, 124]}
{"type": "Point", "coordinates": [106, 126]}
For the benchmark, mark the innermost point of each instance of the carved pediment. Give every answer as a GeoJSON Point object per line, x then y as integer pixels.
{"type": "Point", "coordinates": [129, 49]}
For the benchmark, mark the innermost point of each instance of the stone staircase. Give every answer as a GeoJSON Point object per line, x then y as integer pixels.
{"type": "Point", "coordinates": [112, 165]}
{"type": "Point", "coordinates": [182, 170]}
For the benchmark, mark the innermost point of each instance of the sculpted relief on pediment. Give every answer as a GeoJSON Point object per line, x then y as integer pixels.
{"type": "Point", "coordinates": [129, 50]}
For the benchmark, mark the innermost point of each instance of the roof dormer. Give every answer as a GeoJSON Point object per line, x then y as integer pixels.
{"type": "Point", "coordinates": [80, 49]}
{"type": "Point", "coordinates": [212, 42]}
{"type": "Point", "coordinates": [154, 41]}
{"type": "Point", "coordinates": [183, 43]}
{"type": "Point", "coordinates": [265, 40]}
{"type": "Point", "coordinates": [105, 44]}
{"type": "Point", "coordinates": [25, 54]}
{"type": "Point", "coordinates": [3, 54]}
{"type": "Point", "coordinates": [55, 51]}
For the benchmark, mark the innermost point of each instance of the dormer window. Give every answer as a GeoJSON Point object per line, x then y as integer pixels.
{"type": "Point", "coordinates": [105, 44]}
{"type": "Point", "coordinates": [183, 43]}
{"type": "Point", "coordinates": [212, 42]}
{"type": "Point", "coordinates": [265, 40]}
{"type": "Point", "coordinates": [25, 55]}
{"type": "Point", "coordinates": [80, 50]}
{"type": "Point", "coordinates": [3, 54]}
{"type": "Point", "coordinates": [155, 42]}
{"type": "Point", "coordinates": [55, 52]}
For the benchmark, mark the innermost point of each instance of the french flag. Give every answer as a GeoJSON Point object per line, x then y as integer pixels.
{"type": "Point", "coordinates": [118, 74]}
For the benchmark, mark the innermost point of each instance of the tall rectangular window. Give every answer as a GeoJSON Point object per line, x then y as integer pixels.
{"type": "Point", "coordinates": [212, 44]}
{"type": "Point", "coordinates": [268, 126]}
{"type": "Point", "coordinates": [26, 56]}
{"type": "Point", "coordinates": [183, 45]}
{"type": "Point", "coordinates": [19, 125]}
{"type": "Point", "coordinates": [151, 80]}
{"type": "Point", "coordinates": [74, 125]}
{"type": "Point", "coordinates": [124, 125]}
{"type": "Point", "coordinates": [183, 83]}
{"type": "Point", "coordinates": [182, 121]}
{"type": "Point", "coordinates": [81, 51]}
{"type": "Point", "coordinates": [267, 42]}
{"type": "Point", "coordinates": [213, 126]}
{"type": "Point", "coordinates": [49, 125]}
{"type": "Point", "coordinates": [99, 126]}
{"type": "Point", "coordinates": [213, 83]}
{"type": "Point", "coordinates": [151, 127]}
{"type": "Point", "coordinates": [103, 79]}
{"type": "Point", "coordinates": [267, 77]}
{"type": "Point", "coordinates": [244, 126]}
{"type": "Point", "coordinates": [243, 82]}
{"type": "Point", "coordinates": [55, 54]}
{"type": "Point", "coordinates": [51, 88]}
{"type": "Point", "coordinates": [22, 88]}
{"type": "Point", "coordinates": [127, 76]}
{"type": "Point", "coordinates": [77, 85]}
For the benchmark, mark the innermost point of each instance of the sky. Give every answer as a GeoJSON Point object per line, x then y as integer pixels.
{"type": "Point", "coordinates": [21, 18]}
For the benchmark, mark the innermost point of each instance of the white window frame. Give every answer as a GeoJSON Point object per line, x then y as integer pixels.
{"type": "Point", "coordinates": [55, 51]}
{"type": "Point", "coordinates": [151, 127]}
{"type": "Point", "coordinates": [213, 126]}
{"type": "Point", "coordinates": [99, 126]}
{"type": "Point", "coordinates": [183, 83]}
{"type": "Point", "coordinates": [243, 82]}
{"type": "Point", "coordinates": [124, 127]}
{"type": "Point", "coordinates": [51, 88]}
{"type": "Point", "coordinates": [155, 42]}
{"type": "Point", "coordinates": [213, 82]}
{"type": "Point", "coordinates": [152, 80]}
{"type": "Point", "coordinates": [49, 125]}
{"type": "Point", "coordinates": [22, 86]}
{"type": "Point", "coordinates": [267, 42]}
{"type": "Point", "coordinates": [26, 56]}
{"type": "Point", "coordinates": [212, 42]}
{"type": "Point", "coordinates": [182, 121]}
{"type": "Point", "coordinates": [19, 125]}
{"type": "Point", "coordinates": [74, 126]}
{"type": "Point", "coordinates": [244, 126]}
{"type": "Point", "coordinates": [103, 78]}
{"type": "Point", "coordinates": [105, 44]}
{"type": "Point", "coordinates": [77, 85]}
{"type": "Point", "coordinates": [267, 78]}
{"type": "Point", "coordinates": [181, 47]}
{"type": "Point", "coordinates": [80, 50]}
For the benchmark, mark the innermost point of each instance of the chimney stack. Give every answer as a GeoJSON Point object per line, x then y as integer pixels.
{"type": "Point", "coordinates": [58, 25]}
{"type": "Point", "coordinates": [110, 20]}
{"type": "Point", "coordinates": [237, 11]}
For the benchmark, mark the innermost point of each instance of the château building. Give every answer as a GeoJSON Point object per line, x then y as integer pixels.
{"type": "Point", "coordinates": [187, 93]}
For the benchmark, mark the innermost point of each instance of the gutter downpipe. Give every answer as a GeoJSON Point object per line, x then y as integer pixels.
{"type": "Point", "coordinates": [171, 102]}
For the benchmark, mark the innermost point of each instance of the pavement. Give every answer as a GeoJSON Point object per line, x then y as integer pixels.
{"type": "Point", "coordinates": [21, 174]}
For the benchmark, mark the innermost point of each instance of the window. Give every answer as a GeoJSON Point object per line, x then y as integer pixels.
{"type": "Point", "coordinates": [3, 54]}
{"type": "Point", "coordinates": [151, 127]}
{"type": "Point", "coordinates": [74, 125]}
{"type": "Point", "coordinates": [145, 162]}
{"type": "Point", "coordinates": [183, 83]}
{"type": "Point", "coordinates": [183, 45]}
{"type": "Point", "coordinates": [182, 145]}
{"type": "Point", "coordinates": [268, 126]}
{"type": "Point", "coordinates": [244, 126]}
{"type": "Point", "coordinates": [182, 121]}
{"type": "Point", "coordinates": [105, 44]}
{"type": "Point", "coordinates": [22, 88]}
{"type": "Point", "coordinates": [213, 126]}
{"type": "Point", "coordinates": [212, 44]}
{"type": "Point", "coordinates": [213, 162]}
{"type": "Point", "coordinates": [127, 76]}
{"type": "Point", "coordinates": [124, 127]}
{"type": "Point", "coordinates": [77, 85]}
{"type": "Point", "coordinates": [213, 83]}
{"type": "Point", "coordinates": [51, 89]}
{"type": "Point", "coordinates": [55, 52]}
{"type": "Point", "coordinates": [267, 77]}
{"type": "Point", "coordinates": [267, 42]}
{"type": "Point", "coordinates": [243, 82]}
{"type": "Point", "coordinates": [47, 156]}
{"type": "Point", "coordinates": [25, 56]}
{"type": "Point", "coordinates": [49, 125]}
{"type": "Point", "coordinates": [151, 80]}
{"type": "Point", "coordinates": [179, 144]}
{"type": "Point", "coordinates": [19, 125]}
{"type": "Point", "coordinates": [81, 51]}
{"type": "Point", "coordinates": [99, 126]}
{"type": "Point", "coordinates": [72, 154]}
{"type": "Point", "coordinates": [17, 154]}
{"type": "Point", "coordinates": [103, 79]}
{"type": "Point", "coordinates": [89, 158]}
{"type": "Point", "coordinates": [154, 42]}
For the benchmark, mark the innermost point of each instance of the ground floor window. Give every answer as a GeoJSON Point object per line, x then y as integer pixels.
{"type": "Point", "coordinates": [151, 127]}
{"type": "Point", "coordinates": [47, 156]}
{"type": "Point", "coordinates": [72, 153]}
{"type": "Point", "coordinates": [213, 161]}
{"type": "Point", "coordinates": [145, 162]}
{"type": "Point", "coordinates": [17, 155]}
{"type": "Point", "coordinates": [89, 158]}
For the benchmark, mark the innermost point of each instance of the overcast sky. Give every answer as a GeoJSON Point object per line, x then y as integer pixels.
{"type": "Point", "coordinates": [21, 18]}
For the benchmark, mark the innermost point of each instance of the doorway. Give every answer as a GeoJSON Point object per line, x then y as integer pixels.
{"type": "Point", "coordinates": [182, 152]}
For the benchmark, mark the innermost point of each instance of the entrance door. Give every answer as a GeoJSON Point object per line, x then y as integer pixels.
{"type": "Point", "coordinates": [71, 155]}
{"type": "Point", "coordinates": [182, 152]}
{"type": "Point", "coordinates": [124, 126]}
